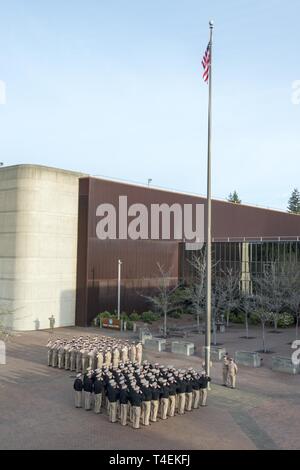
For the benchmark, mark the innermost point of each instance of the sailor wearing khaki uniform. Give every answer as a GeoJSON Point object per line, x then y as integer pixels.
{"type": "Point", "coordinates": [225, 370]}
{"type": "Point", "coordinates": [78, 386]}
{"type": "Point", "coordinates": [196, 391]}
{"type": "Point", "coordinates": [139, 353]}
{"type": "Point", "coordinates": [232, 372]}
{"type": "Point", "coordinates": [146, 404]}
{"type": "Point", "coordinates": [88, 389]}
{"type": "Point", "coordinates": [204, 381]}
{"type": "Point", "coordinates": [136, 398]}
{"type": "Point", "coordinates": [132, 353]}
{"type": "Point", "coordinates": [54, 354]}
{"type": "Point", "coordinates": [78, 360]}
{"type": "Point", "coordinates": [98, 390]}
{"type": "Point", "coordinates": [123, 399]}
{"type": "Point", "coordinates": [189, 393]}
{"type": "Point", "coordinates": [124, 354]}
{"type": "Point", "coordinates": [67, 356]}
{"type": "Point", "coordinates": [181, 389]}
{"type": "Point", "coordinates": [172, 396]}
{"type": "Point", "coordinates": [113, 396]}
{"type": "Point", "coordinates": [99, 359]}
{"type": "Point", "coordinates": [164, 399]}
{"type": "Point", "coordinates": [115, 357]}
{"type": "Point", "coordinates": [49, 344]}
{"type": "Point", "coordinates": [107, 357]}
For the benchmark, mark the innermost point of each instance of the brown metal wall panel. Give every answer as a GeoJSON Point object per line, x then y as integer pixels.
{"type": "Point", "coordinates": [97, 260]}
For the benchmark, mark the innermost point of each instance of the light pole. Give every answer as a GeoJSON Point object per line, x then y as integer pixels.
{"type": "Point", "coordinates": [149, 181]}
{"type": "Point", "coordinates": [119, 287]}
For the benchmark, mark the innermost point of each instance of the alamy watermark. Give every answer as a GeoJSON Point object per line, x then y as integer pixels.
{"type": "Point", "coordinates": [2, 92]}
{"type": "Point", "coordinates": [154, 222]}
{"type": "Point", "coordinates": [2, 353]}
{"type": "Point", "coordinates": [296, 92]}
{"type": "Point", "coordinates": [296, 353]}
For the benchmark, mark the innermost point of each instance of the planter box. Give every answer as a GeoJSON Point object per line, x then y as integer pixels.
{"type": "Point", "coordinates": [284, 364]}
{"type": "Point", "coordinates": [155, 344]}
{"type": "Point", "coordinates": [144, 334]}
{"type": "Point", "coordinates": [216, 353]}
{"type": "Point", "coordinates": [183, 347]}
{"type": "Point", "coordinates": [246, 358]}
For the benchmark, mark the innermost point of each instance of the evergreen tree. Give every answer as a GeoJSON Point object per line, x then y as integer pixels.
{"type": "Point", "coordinates": [233, 197]}
{"type": "Point", "coordinates": [294, 202]}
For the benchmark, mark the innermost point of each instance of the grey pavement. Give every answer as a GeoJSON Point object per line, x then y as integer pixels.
{"type": "Point", "coordinates": [37, 412]}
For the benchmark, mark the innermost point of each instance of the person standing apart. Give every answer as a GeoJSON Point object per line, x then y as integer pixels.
{"type": "Point", "coordinates": [232, 372]}
{"type": "Point", "coordinates": [225, 370]}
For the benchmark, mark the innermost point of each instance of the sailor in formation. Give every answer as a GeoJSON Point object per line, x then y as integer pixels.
{"type": "Point", "coordinates": [133, 393]}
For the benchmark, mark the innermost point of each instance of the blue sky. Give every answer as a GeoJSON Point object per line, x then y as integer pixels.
{"type": "Point", "coordinates": [114, 88]}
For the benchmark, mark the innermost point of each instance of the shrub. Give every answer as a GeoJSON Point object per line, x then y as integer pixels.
{"type": "Point", "coordinates": [285, 320]}
{"type": "Point", "coordinates": [237, 317]}
{"type": "Point", "coordinates": [254, 319]}
{"type": "Point", "coordinates": [106, 314]}
{"type": "Point", "coordinates": [129, 325]}
{"type": "Point", "coordinates": [175, 314]}
{"type": "Point", "coordinates": [149, 317]}
{"type": "Point", "coordinates": [135, 316]}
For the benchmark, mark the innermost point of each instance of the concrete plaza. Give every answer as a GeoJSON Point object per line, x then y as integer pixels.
{"type": "Point", "coordinates": [37, 412]}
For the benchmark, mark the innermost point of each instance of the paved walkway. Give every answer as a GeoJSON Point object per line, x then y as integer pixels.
{"type": "Point", "coordinates": [36, 408]}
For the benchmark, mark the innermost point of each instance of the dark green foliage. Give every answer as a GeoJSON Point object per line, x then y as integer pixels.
{"type": "Point", "coordinates": [233, 197]}
{"type": "Point", "coordinates": [294, 202]}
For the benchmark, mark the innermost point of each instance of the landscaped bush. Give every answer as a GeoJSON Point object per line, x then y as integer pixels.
{"type": "Point", "coordinates": [285, 320]}
{"type": "Point", "coordinates": [237, 317]}
{"type": "Point", "coordinates": [175, 314]}
{"type": "Point", "coordinates": [129, 325]}
{"type": "Point", "coordinates": [135, 316]}
{"type": "Point", "coordinates": [149, 317]}
{"type": "Point", "coordinates": [106, 314]}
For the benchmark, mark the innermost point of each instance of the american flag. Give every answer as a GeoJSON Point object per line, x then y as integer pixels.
{"type": "Point", "coordinates": [206, 63]}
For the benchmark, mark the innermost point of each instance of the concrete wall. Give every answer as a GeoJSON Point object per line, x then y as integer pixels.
{"type": "Point", "coordinates": [38, 245]}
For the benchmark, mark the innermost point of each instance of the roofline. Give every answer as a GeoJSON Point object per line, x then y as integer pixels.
{"type": "Point", "coordinates": [44, 167]}
{"type": "Point", "coordinates": [185, 193]}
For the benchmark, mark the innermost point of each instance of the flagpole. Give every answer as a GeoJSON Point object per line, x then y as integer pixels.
{"type": "Point", "coordinates": [208, 214]}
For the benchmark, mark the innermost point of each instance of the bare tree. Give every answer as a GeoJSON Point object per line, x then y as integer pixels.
{"type": "Point", "coordinates": [5, 322]}
{"type": "Point", "coordinates": [264, 317]}
{"type": "Point", "coordinates": [195, 293]}
{"type": "Point", "coordinates": [292, 291]}
{"type": "Point", "coordinates": [218, 303]}
{"type": "Point", "coordinates": [231, 281]}
{"type": "Point", "coordinates": [270, 288]}
{"type": "Point", "coordinates": [247, 306]}
{"type": "Point", "coordinates": [163, 302]}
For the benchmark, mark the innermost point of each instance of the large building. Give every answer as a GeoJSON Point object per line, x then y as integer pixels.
{"type": "Point", "coordinates": [53, 261]}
